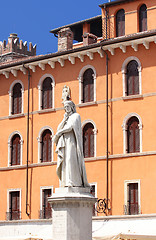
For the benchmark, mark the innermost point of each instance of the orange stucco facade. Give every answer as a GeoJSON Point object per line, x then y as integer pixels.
{"type": "Point", "coordinates": [122, 166]}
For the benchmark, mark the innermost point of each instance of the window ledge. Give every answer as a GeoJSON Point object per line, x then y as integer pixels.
{"type": "Point", "coordinates": [87, 104]}
{"type": "Point", "coordinates": [137, 96]}
{"type": "Point", "coordinates": [31, 165]}
{"type": "Point", "coordinates": [46, 110]}
{"type": "Point", "coordinates": [16, 116]}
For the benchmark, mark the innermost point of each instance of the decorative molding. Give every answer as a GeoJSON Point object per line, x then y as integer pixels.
{"type": "Point", "coordinates": [90, 55]}
{"type": "Point", "coordinates": [10, 97]}
{"type": "Point", "coordinates": [52, 64]}
{"type": "Point", "coordinates": [61, 61]}
{"type": "Point", "coordinates": [14, 72]}
{"type": "Point", "coordinates": [42, 66]}
{"type": "Point", "coordinates": [9, 144]}
{"type": "Point", "coordinates": [81, 57]}
{"type": "Point", "coordinates": [94, 130]}
{"type": "Point", "coordinates": [80, 77]}
{"type": "Point", "coordinates": [71, 59]}
{"type": "Point", "coordinates": [32, 67]}
{"type": "Point", "coordinates": [124, 127]}
{"type": "Point", "coordinates": [39, 138]}
{"type": "Point", "coordinates": [124, 70]}
{"type": "Point", "coordinates": [40, 90]}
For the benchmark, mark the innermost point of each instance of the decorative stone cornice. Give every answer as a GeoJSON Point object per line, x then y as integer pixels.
{"type": "Point", "coordinates": [79, 53]}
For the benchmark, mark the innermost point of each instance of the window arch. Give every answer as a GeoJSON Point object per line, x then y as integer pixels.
{"type": "Point", "coordinates": [87, 84]}
{"type": "Point", "coordinates": [89, 139]}
{"type": "Point", "coordinates": [132, 133]}
{"type": "Point", "coordinates": [120, 23]}
{"type": "Point", "coordinates": [15, 146]}
{"type": "Point", "coordinates": [143, 18]}
{"type": "Point", "coordinates": [46, 92]}
{"type": "Point", "coordinates": [45, 145]}
{"type": "Point", "coordinates": [16, 98]}
{"type": "Point", "coordinates": [131, 75]}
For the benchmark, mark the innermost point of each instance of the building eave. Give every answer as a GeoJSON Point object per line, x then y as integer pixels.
{"type": "Point", "coordinates": [55, 30]}
{"type": "Point", "coordinates": [113, 3]}
{"type": "Point", "coordinates": [144, 38]}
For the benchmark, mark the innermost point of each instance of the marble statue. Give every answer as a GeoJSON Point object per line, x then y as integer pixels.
{"type": "Point", "coordinates": [65, 93]}
{"type": "Point", "coordinates": [70, 164]}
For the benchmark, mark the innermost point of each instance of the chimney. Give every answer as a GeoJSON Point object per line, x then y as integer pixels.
{"type": "Point", "coordinates": [65, 39]}
{"type": "Point", "coordinates": [89, 38]}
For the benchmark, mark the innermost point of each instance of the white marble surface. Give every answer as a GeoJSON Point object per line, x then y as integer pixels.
{"type": "Point", "coordinates": [70, 161]}
{"type": "Point", "coordinates": [72, 213]}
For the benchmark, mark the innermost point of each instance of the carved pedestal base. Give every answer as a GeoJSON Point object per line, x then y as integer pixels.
{"type": "Point", "coordinates": [72, 213]}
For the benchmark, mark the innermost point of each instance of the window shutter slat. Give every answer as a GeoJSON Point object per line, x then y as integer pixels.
{"type": "Point", "coordinates": [88, 140]}
{"type": "Point", "coordinates": [88, 86]}
{"type": "Point", "coordinates": [120, 23]}
{"type": "Point", "coordinates": [17, 99]}
{"type": "Point", "coordinates": [47, 93]}
{"type": "Point", "coordinates": [46, 146]}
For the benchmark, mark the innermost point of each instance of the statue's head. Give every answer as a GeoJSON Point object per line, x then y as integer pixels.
{"type": "Point", "coordinates": [69, 107]}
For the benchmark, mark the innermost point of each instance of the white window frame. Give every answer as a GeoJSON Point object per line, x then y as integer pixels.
{"type": "Point", "coordinates": [40, 84]}
{"type": "Point", "coordinates": [11, 96]}
{"type": "Point", "coordinates": [124, 70]}
{"type": "Point", "coordinates": [125, 127]}
{"type": "Point", "coordinates": [94, 130]}
{"type": "Point", "coordinates": [39, 139]}
{"type": "Point", "coordinates": [9, 150]}
{"type": "Point", "coordinates": [80, 78]}
{"type": "Point", "coordinates": [126, 183]}
{"type": "Point", "coordinates": [20, 199]}
{"type": "Point", "coordinates": [41, 194]}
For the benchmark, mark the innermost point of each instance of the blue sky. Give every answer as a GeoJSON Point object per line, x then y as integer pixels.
{"type": "Point", "coordinates": [33, 19]}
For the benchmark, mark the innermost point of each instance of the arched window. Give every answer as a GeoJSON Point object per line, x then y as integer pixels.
{"type": "Point", "coordinates": [47, 93]}
{"type": "Point", "coordinates": [88, 140]}
{"type": "Point", "coordinates": [143, 18]}
{"type": "Point", "coordinates": [120, 23]}
{"type": "Point", "coordinates": [132, 78]}
{"type": "Point", "coordinates": [46, 146]}
{"type": "Point", "coordinates": [17, 99]}
{"type": "Point", "coordinates": [88, 85]}
{"type": "Point", "coordinates": [15, 150]}
{"type": "Point", "coordinates": [133, 135]}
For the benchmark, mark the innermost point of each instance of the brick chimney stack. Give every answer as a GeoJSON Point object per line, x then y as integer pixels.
{"type": "Point", "coordinates": [65, 39]}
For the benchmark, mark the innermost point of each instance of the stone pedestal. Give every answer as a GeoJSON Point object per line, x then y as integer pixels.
{"type": "Point", "coordinates": [72, 209]}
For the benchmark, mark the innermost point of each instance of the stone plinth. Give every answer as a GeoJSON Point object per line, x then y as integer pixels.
{"type": "Point", "coordinates": [72, 213]}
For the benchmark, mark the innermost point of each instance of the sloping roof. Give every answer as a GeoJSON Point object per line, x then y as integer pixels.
{"type": "Point", "coordinates": [55, 30]}
{"type": "Point", "coordinates": [116, 2]}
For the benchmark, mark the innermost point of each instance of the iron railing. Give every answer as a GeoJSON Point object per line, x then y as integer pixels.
{"type": "Point", "coordinates": [45, 213]}
{"type": "Point", "coordinates": [13, 215]}
{"type": "Point", "coordinates": [131, 209]}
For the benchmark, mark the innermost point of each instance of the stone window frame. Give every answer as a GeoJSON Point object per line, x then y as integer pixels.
{"type": "Point", "coordinates": [94, 130]}
{"type": "Point", "coordinates": [11, 97]}
{"type": "Point", "coordinates": [80, 78]}
{"type": "Point", "coordinates": [41, 194]}
{"type": "Point", "coordinates": [20, 198]}
{"type": "Point", "coordinates": [126, 183]}
{"type": "Point", "coordinates": [9, 150]}
{"type": "Point", "coordinates": [124, 70]}
{"type": "Point", "coordinates": [39, 139]}
{"type": "Point", "coordinates": [40, 84]}
{"type": "Point", "coordinates": [124, 128]}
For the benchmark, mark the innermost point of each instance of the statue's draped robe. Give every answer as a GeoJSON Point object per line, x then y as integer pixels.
{"type": "Point", "coordinates": [70, 164]}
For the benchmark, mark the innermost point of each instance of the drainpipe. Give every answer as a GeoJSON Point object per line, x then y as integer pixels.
{"type": "Point", "coordinates": [27, 204]}
{"type": "Point", "coordinates": [107, 106]}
